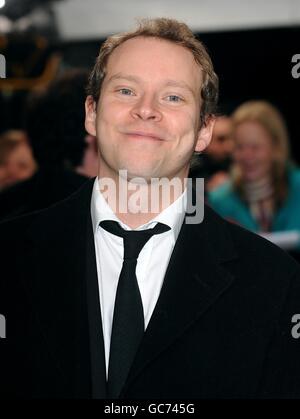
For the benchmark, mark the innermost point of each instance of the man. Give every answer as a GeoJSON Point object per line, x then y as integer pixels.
{"type": "Point", "coordinates": [216, 301]}
{"type": "Point", "coordinates": [215, 162]}
{"type": "Point", "coordinates": [219, 152]}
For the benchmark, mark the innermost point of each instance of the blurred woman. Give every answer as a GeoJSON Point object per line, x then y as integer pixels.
{"type": "Point", "coordinates": [263, 193]}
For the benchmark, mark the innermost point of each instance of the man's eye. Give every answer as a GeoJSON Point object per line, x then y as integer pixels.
{"type": "Point", "coordinates": [174, 98]}
{"type": "Point", "coordinates": [126, 92]}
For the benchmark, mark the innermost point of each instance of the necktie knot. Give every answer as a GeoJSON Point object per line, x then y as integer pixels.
{"type": "Point", "coordinates": [134, 240]}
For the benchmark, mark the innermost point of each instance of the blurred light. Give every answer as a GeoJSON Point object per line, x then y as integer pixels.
{"type": "Point", "coordinates": [2, 3]}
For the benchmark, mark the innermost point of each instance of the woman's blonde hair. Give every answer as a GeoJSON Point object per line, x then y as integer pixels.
{"type": "Point", "coordinates": [270, 118]}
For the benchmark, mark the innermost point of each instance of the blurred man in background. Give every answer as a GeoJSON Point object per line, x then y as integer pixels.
{"type": "Point", "coordinates": [218, 155]}
{"type": "Point", "coordinates": [214, 163]}
{"type": "Point", "coordinates": [16, 159]}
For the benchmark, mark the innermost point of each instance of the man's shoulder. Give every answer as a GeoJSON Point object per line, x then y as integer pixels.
{"type": "Point", "coordinates": [251, 249]}
{"type": "Point", "coordinates": [16, 226]}
{"type": "Point", "coordinates": [76, 205]}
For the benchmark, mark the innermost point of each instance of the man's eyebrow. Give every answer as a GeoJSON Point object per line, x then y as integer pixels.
{"type": "Point", "coordinates": [136, 79]}
{"type": "Point", "coordinates": [181, 84]}
{"type": "Point", "coordinates": [120, 76]}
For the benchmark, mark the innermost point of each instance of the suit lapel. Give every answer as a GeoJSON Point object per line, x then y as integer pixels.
{"type": "Point", "coordinates": [97, 352]}
{"type": "Point", "coordinates": [194, 281]}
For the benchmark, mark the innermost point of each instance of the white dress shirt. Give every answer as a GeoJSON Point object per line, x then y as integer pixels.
{"type": "Point", "coordinates": [152, 261]}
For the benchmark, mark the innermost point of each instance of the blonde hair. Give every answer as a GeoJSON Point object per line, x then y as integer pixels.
{"type": "Point", "coordinates": [270, 118]}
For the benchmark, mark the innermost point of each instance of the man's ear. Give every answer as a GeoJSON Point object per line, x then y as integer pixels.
{"type": "Point", "coordinates": [90, 115]}
{"type": "Point", "coordinates": [205, 134]}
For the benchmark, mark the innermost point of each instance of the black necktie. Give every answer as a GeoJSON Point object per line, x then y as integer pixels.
{"type": "Point", "coordinates": [128, 318]}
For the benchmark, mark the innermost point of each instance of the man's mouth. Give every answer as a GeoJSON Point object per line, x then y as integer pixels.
{"type": "Point", "coordinates": [143, 135]}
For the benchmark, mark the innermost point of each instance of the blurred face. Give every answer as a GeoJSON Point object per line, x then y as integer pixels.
{"type": "Point", "coordinates": [148, 114]}
{"type": "Point", "coordinates": [221, 146]}
{"type": "Point", "coordinates": [18, 166]}
{"type": "Point", "coordinates": [253, 151]}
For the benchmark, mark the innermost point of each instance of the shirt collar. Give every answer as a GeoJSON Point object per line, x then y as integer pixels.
{"type": "Point", "coordinates": [172, 216]}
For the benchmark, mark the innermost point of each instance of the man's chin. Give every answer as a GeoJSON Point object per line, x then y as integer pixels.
{"type": "Point", "coordinates": [138, 175]}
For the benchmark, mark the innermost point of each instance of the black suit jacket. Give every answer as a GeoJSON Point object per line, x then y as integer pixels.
{"type": "Point", "coordinates": [221, 327]}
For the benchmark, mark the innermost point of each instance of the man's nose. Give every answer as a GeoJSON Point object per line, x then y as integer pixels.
{"type": "Point", "coordinates": [147, 108]}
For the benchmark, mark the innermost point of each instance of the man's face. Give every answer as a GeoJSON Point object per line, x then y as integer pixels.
{"type": "Point", "coordinates": [148, 115]}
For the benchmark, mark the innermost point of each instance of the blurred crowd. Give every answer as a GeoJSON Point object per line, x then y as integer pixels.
{"type": "Point", "coordinates": [52, 155]}
{"type": "Point", "coordinates": [250, 177]}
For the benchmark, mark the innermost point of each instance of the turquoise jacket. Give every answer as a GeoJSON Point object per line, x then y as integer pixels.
{"type": "Point", "coordinates": [225, 201]}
